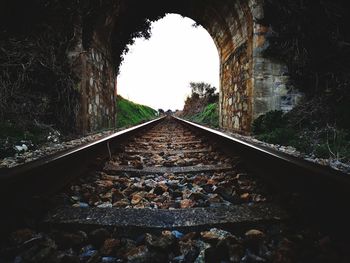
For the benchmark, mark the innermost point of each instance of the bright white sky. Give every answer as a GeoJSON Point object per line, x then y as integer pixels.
{"type": "Point", "coordinates": [157, 72]}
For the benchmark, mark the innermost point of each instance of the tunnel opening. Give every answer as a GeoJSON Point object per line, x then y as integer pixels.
{"type": "Point", "coordinates": [231, 26]}
{"type": "Point", "coordinates": [157, 72]}
{"type": "Point", "coordinates": [99, 32]}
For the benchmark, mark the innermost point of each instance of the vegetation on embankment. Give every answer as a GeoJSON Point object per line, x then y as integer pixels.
{"type": "Point", "coordinates": [317, 55]}
{"type": "Point", "coordinates": [202, 105]}
{"type": "Point", "coordinates": [130, 113]}
{"type": "Point", "coordinates": [208, 116]}
{"type": "Point", "coordinates": [311, 136]}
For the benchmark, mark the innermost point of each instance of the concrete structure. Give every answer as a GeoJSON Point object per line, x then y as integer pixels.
{"type": "Point", "coordinates": [251, 84]}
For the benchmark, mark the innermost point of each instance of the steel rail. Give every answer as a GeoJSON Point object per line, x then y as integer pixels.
{"type": "Point", "coordinates": [51, 173]}
{"type": "Point", "coordinates": [324, 191]}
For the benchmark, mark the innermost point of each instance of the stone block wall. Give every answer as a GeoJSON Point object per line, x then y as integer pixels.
{"type": "Point", "coordinates": [96, 76]}
{"type": "Point", "coordinates": [272, 89]}
{"type": "Point", "coordinates": [236, 90]}
{"type": "Point", "coordinates": [100, 91]}
{"type": "Point", "coordinates": [251, 83]}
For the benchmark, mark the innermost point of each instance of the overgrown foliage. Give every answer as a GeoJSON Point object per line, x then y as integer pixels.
{"type": "Point", "coordinates": [201, 95]}
{"type": "Point", "coordinates": [36, 82]}
{"type": "Point", "coordinates": [130, 113]}
{"type": "Point", "coordinates": [209, 116]}
{"type": "Point", "coordinates": [282, 128]}
{"type": "Point", "coordinates": [313, 38]}
{"type": "Point", "coordinates": [202, 105]}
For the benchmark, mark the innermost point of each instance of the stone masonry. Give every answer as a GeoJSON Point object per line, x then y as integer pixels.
{"type": "Point", "coordinates": [251, 83]}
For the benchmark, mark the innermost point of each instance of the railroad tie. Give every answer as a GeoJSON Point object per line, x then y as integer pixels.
{"type": "Point", "coordinates": [114, 169]}
{"type": "Point", "coordinates": [168, 219]}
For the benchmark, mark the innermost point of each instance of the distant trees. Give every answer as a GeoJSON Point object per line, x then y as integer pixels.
{"type": "Point", "coordinates": [201, 95]}
{"type": "Point", "coordinates": [203, 90]}
{"type": "Point", "coordinates": [161, 112]}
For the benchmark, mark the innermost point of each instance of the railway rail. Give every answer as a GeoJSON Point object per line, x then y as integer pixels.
{"type": "Point", "coordinates": [173, 191]}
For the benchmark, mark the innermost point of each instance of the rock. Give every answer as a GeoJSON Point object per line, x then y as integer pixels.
{"type": "Point", "coordinates": [137, 164]}
{"type": "Point", "coordinates": [136, 198]}
{"type": "Point", "coordinates": [254, 234]}
{"type": "Point", "coordinates": [224, 193]}
{"type": "Point", "coordinates": [175, 194]}
{"type": "Point", "coordinates": [81, 205]}
{"type": "Point", "coordinates": [98, 236]}
{"type": "Point", "coordinates": [21, 148]}
{"type": "Point", "coordinates": [202, 246]}
{"type": "Point", "coordinates": [126, 246]}
{"type": "Point", "coordinates": [214, 235]}
{"type": "Point", "coordinates": [254, 239]}
{"type": "Point", "coordinates": [128, 191]}
{"type": "Point", "coordinates": [117, 195]}
{"type": "Point", "coordinates": [87, 252]}
{"type": "Point", "coordinates": [105, 205]}
{"type": "Point", "coordinates": [177, 234]}
{"type": "Point", "coordinates": [75, 198]}
{"type": "Point", "coordinates": [110, 246]}
{"type": "Point", "coordinates": [164, 242]}
{"type": "Point", "coordinates": [138, 255]}
{"type": "Point", "coordinates": [186, 203]}
{"type": "Point", "coordinates": [150, 183]}
{"type": "Point", "coordinates": [122, 203]}
{"type": "Point", "coordinates": [214, 199]}
{"type": "Point", "coordinates": [245, 197]}
{"type": "Point", "coordinates": [189, 250]}
{"type": "Point", "coordinates": [168, 163]}
{"type": "Point", "coordinates": [208, 188]}
{"type": "Point", "coordinates": [196, 196]}
{"type": "Point", "coordinates": [160, 189]}
{"type": "Point", "coordinates": [106, 197]}
{"type": "Point", "coordinates": [103, 186]}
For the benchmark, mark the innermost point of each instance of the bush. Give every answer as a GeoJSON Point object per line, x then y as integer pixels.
{"type": "Point", "coordinates": [313, 137]}
{"type": "Point", "coordinates": [209, 116]}
{"type": "Point", "coordinates": [269, 122]}
{"type": "Point", "coordinates": [281, 136]}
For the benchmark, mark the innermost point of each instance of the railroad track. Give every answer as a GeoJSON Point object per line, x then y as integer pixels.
{"type": "Point", "coordinates": [170, 191]}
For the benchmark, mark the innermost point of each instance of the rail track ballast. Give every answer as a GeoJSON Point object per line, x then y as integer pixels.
{"type": "Point", "coordinates": [173, 191]}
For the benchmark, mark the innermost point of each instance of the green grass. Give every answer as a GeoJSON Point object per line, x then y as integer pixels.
{"type": "Point", "coordinates": [209, 116]}
{"type": "Point", "coordinates": [321, 141]}
{"type": "Point", "coordinates": [130, 113]}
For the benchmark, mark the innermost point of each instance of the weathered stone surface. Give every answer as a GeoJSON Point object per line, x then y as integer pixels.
{"type": "Point", "coordinates": [250, 83]}
{"type": "Point", "coordinates": [112, 169]}
{"type": "Point", "coordinates": [151, 218]}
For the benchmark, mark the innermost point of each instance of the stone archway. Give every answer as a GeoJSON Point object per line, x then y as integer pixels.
{"type": "Point", "coordinates": [250, 84]}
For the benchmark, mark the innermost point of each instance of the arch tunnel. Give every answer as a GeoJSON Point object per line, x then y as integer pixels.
{"type": "Point", "coordinates": [250, 83]}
